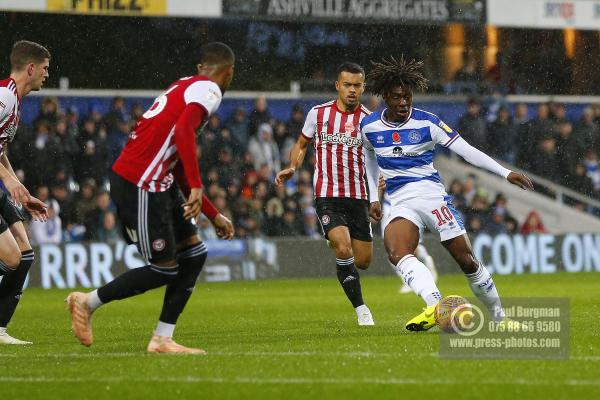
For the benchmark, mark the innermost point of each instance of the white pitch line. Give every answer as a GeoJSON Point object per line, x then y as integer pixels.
{"type": "Point", "coordinates": [264, 354]}
{"type": "Point", "coordinates": [294, 381]}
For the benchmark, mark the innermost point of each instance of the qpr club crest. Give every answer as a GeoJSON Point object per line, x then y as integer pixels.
{"type": "Point", "coordinates": [414, 137]}
{"type": "Point", "coordinates": [396, 137]}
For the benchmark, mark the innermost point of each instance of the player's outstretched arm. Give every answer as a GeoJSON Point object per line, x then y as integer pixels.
{"type": "Point", "coordinates": [482, 160]}
{"type": "Point", "coordinates": [296, 159]}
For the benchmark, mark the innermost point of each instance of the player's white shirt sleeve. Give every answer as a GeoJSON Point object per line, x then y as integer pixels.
{"type": "Point", "coordinates": [371, 169]}
{"type": "Point", "coordinates": [477, 157]}
{"type": "Point", "coordinates": [206, 93]}
{"type": "Point", "coordinates": [310, 124]}
{"type": "Point", "coordinates": [7, 103]}
{"type": "Point", "coordinates": [444, 135]}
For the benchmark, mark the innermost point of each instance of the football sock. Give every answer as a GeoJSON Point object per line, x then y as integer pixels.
{"type": "Point", "coordinates": [483, 287]}
{"type": "Point", "coordinates": [350, 280]}
{"type": "Point", "coordinates": [5, 270]}
{"type": "Point", "coordinates": [423, 255]}
{"type": "Point", "coordinates": [419, 278]}
{"type": "Point", "coordinates": [164, 329]}
{"type": "Point", "coordinates": [136, 281]}
{"type": "Point", "coordinates": [191, 260]}
{"type": "Point", "coordinates": [11, 287]}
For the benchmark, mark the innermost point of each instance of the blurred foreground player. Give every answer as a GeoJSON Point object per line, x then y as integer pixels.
{"type": "Point", "coordinates": [29, 63]}
{"type": "Point", "coordinates": [342, 199]}
{"type": "Point", "coordinates": [160, 159]}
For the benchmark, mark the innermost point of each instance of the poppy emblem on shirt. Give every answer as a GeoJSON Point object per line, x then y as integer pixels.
{"type": "Point", "coordinates": [396, 137]}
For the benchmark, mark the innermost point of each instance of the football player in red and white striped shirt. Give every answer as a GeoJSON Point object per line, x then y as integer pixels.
{"type": "Point", "coordinates": [342, 198]}
{"type": "Point", "coordinates": [158, 160]}
{"type": "Point", "coordinates": [29, 69]}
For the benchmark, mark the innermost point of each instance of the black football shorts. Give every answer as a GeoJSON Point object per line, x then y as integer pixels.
{"type": "Point", "coordinates": [153, 221]}
{"type": "Point", "coordinates": [344, 211]}
{"type": "Point", "coordinates": [9, 213]}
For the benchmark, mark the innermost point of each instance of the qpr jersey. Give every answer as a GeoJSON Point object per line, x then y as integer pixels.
{"type": "Point", "coordinates": [339, 166]}
{"type": "Point", "coordinates": [405, 151]}
{"type": "Point", "coordinates": [150, 154]}
{"type": "Point", "coordinates": [10, 106]}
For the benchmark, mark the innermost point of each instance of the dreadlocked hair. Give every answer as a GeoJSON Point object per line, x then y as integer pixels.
{"type": "Point", "coordinates": [391, 73]}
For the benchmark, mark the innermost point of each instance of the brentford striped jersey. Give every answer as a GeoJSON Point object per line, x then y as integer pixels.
{"type": "Point", "coordinates": [151, 154]}
{"type": "Point", "coordinates": [10, 106]}
{"type": "Point", "coordinates": [339, 167]}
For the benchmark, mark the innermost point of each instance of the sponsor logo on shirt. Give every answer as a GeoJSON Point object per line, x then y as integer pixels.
{"type": "Point", "coordinates": [341, 138]}
{"type": "Point", "coordinates": [380, 139]}
{"type": "Point", "coordinates": [445, 127]}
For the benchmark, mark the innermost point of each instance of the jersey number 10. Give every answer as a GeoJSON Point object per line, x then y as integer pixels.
{"type": "Point", "coordinates": [443, 215]}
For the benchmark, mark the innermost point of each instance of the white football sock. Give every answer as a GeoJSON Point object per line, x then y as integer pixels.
{"type": "Point", "coordinates": [416, 275]}
{"type": "Point", "coordinates": [423, 255]}
{"type": "Point", "coordinates": [482, 285]}
{"type": "Point", "coordinates": [93, 300]}
{"type": "Point", "coordinates": [164, 329]}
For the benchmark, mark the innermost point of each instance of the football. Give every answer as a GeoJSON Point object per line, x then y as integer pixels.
{"type": "Point", "coordinates": [453, 313]}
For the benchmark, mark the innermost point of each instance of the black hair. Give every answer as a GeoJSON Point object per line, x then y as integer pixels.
{"type": "Point", "coordinates": [351, 67]}
{"type": "Point", "coordinates": [216, 53]}
{"type": "Point", "coordinates": [388, 74]}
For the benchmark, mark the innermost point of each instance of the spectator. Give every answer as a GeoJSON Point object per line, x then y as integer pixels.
{"type": "Point", "coordinates": [533, 224]}
{"type": "Point", "coordinates": [544, 161]}
{"type": "Point", "coordinates": [311, 227]}
{"type": "Point", "coordinates": [94, 219]}
{"type": "Point", "coordinates": [108, 231]}
{"type": "Point", "coordinates": [587, 131]}
{"type": "Point", "coordinates": [238, 126]}
{"type": "Point", "coordinates": [49, 231]}
{"type": "Point", "coordinates": [296, 123]}
{"type": "Point", "coordinates": [580, 182]}
{"type": "Point", "coordinates": [264, 150]}
{"type": "Point", "coordinates": [501, 137]}
{"type": "Point", "coordinates": [68, 145]}
{"type": "Point", "coordinates": [472, 125]}
{"type": "Point", "coordinates": [259, 115]}
{"type": "Point", "coordinates": [538, 128]}
{"type": "Point", "coordinates": [568, 152]}
{"type": "Point", "coordinates": [49, 111]}
{"type": "Point", "coordinates": [116, 137]}
{"type": "Point", "coordinates": [117, 114]}
{"type": "Point", "coordinates": [284, 141]}
{"type": "Point", "coordinates": [592, 171]}
{"type": "Point", "coordinates": [44, 157]}
{"type": "Point", "coordinates": [85, 201]}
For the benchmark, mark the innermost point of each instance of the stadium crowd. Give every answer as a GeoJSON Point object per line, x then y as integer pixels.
{"type": "Point", "coordinates": [64, 158]}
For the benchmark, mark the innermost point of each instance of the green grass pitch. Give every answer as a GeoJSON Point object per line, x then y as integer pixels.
{"type": "Point", "coordinates": [288, 340]}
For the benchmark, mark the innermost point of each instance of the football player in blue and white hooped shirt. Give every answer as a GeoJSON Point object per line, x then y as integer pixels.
{"type": "Point", "coordinates": [401, 141]}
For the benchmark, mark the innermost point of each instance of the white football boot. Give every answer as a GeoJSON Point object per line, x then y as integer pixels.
{"type": "Point", "coordinates": [365, 318]}
{"type": "Point", "coordinates": [5, 338]}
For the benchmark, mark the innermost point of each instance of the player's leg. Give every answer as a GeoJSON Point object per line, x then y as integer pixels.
{"type": "Point", "coordinates": [480, 280]}
{"type": "Point", "coordinates": [11, 287]}
{"type": "Point", "coordinates": [401, 239]}
{"type": "Point", "coordinates": [191, 256]}
{"type": "Point", "coordinates": [423, 255]}
{"type": "Point", "coordinates": [332, 215]}
{"type": "Point", "coordinates": [147, 222]}
{"type": "Point", "coordinates": [10, 256]}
